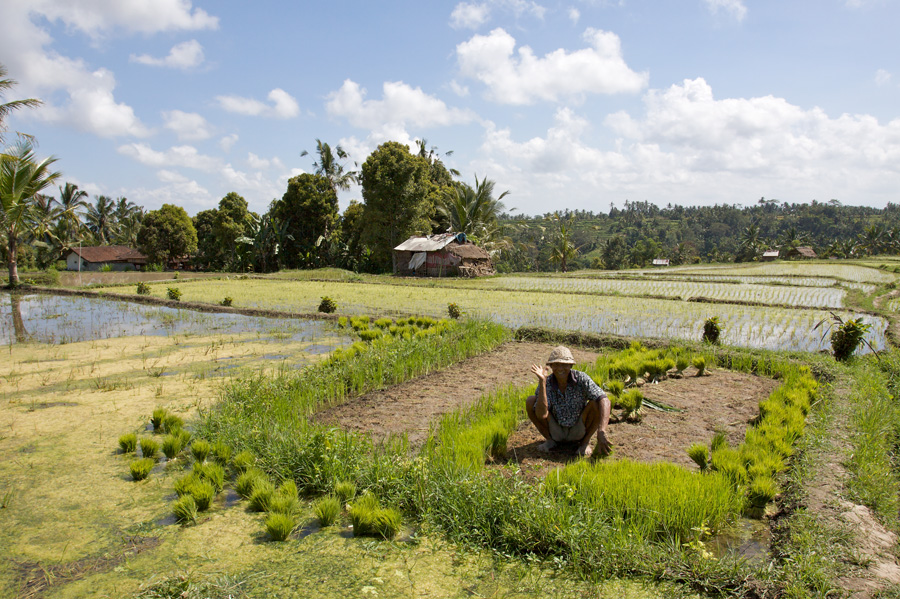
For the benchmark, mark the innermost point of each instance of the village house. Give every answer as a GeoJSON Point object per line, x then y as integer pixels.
{"type": "Point", "coordinates": [93, 258]}
{"type": "Point", "coordinates": [446, 254]}
{"type": "Point", "coordinates": [770, 256]}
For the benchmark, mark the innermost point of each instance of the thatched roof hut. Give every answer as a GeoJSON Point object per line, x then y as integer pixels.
{"type": "Point", "coordinates": [442, 255]}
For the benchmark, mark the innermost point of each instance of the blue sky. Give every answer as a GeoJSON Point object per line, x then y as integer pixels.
{"type": "Point", "coordinates": [567, 104]}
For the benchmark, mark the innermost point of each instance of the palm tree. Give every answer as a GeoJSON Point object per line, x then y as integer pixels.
{"type": "Point", "coordinates": [22, 177]}
{"type": "Point", "coordinates": [562, 250]}
{"type": "Point", "coordinates": [100, 218]}
{"type": "Point", "coordinates": [7, 107]}
{"type": "Point", "coordinates": [473, 211]}
{"type": "Point", "coordinates": [872, 239]}
{"type": "Point", "coordinates": [329, 167]}
{"type": "Point", "coordinates": [71, 200]}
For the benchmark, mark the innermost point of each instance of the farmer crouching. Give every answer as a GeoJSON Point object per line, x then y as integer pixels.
{"type": "Point", "coordinates": [568, 406]}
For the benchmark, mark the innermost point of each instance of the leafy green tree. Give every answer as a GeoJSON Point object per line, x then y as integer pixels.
{"type": "Point", "coordinates": [7, 107]}
{"type": "Point", "coordinates": [562, 250]}
{"type": "Point", "coordinates": [166, 234]}
{"type": "Point", "coordinates": [22, 177]}
{"type": "Point", "coordinates": [72, 201]}
{"type": "Point", "coordinates": [209, 253]}
{"type": "Point", "coordinates": [396, 188]}
{"type": "Point", "coordinates": [100, 219]}
{"type": "Point", "coordinates": [614, 253]}
{"type": "Point", "coordinates": [233, 221]}
{"type": "Point", "coordinates": [309, 212]}
{"type": "Point", "coordinates": [473, 211]}
{"type": "Point", "coordinates": [330, 167]}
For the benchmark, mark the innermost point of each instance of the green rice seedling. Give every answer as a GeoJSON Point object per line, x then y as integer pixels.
{"type": "Point", "coordinates": [243, 461]}
{"type": "Point", "coordinates": [173, 293]}
{"type": "Point", "coordinates": [344, 490]}
{"type": "Point", "coordinates": [342, 322]}
{"type": "Point", "coordinates": [171, 446]}
{"type": "Point", "coordinates": [185, 509]}
{"type": "Point", "coordinates": [200, 449]}
{"type": "Point", "coordinates": [383, 323]}
{"type": "Point", "coordinates": [761, 491]}
{"type": "Point", "coordinates": [497, 447]}
{"type": "Point", "coordinates": [156, 419]}
{"type": "Point", "coordinates": [140, 469]}
{"type": "Point", "coordinates": [143, 288]}
{"type": "Point", "coordinates": [632, 402]}
{"type": "Point", "coordinates": [182, 486]}
{"type": "Point", "coordinates": [261, 496]}
{"type": "Point", "coordinates": [327, 305]}
{"type": "Point", "coordinates": [149, 447]}
{"type": "Point", "coordinates": [128, 443]}
{"type": "Point", "coordinates": [212, 472]}
{"type": "Point", "coordinates": [172, 424]}
{"type": "Point", "coordinates": [362, 513]}
{"type": "Point", "coordinates": [719, 441]}
{"type": "Point", "coordinates": [327, 509]}
{"type": "Point", "coordinates": [681, 362]}
{"type": "Point", "coordinates": [700, 364]}
{"type": "Point", "coordinates": [280, 525]}
{"type": "Point", "coordinates": [729, 462]}
{"type": "Point", "coordinates": [183, 436]}
{"type": "Point", "coordinates": [386, 523]}
{"type": "Point", "coordinates": [221, 453]}
{"type": "Point", "coordinates": [369, 334]}
{"type": "Point", "coordinates": [246, 482]}
{"type": "Point", "coordinates": [288, 488]}
{"type": "Point", "coordinates": [614, 388]}
{"type": "Point", "coordinates": [700, 454]}
{"type": "Point", "coordinates": [203, 493]}
{"type": "Point", "coordinates": [284, 502]}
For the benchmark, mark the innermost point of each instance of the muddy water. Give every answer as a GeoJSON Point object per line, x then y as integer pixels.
{"type": "Point", "coordinates": [748, 539]}
{"type": "Point", "coordinates": [63, 319]}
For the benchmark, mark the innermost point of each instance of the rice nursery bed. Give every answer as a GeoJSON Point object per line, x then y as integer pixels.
{"type": "Point", "coordinates": [746, 326]}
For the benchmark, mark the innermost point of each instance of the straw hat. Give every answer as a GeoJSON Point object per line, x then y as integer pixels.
{"type": "Point", "coordinates": [560, 355]}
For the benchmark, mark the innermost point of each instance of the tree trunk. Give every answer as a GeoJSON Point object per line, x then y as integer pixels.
{"type": "Point", "coordinates": [13, 270]}
{"type": "Point", "coordinates": [18, 323]}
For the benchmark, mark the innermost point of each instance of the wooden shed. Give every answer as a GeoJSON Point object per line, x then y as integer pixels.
{"type": "Point", "coordinates": [442, 255]}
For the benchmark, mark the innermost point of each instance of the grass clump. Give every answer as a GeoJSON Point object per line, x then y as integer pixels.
{"type": "Point", "coordinates": [327, 509]}
{"type": "Point", "coordinates": [700, 364]}
{"type": "Point", "coordinates": [212, 472]}
{"type": "Point", "coordinates": [172, 424]}
{"type": "Point", "coordinates": [143, 288]}
{"type": "Point", "coordinates": [327, 305]}
{"type": "Point", "coordinates": [243, 461]}
{"type": "Point", "coordinates": [370, 519]}
{"type": "Point", "coordinates": [227, 301]}
{"type": "Point", "coordinates": [200, 450]}
{"type": "Point", "coordinates": [149, 447]}
{"type": "Point", "coordinates": [700, 454]}
{"type": "Point", "coordinates": [280, 525]}
{"type": "Point", "coordinates": [182, 486]}
{"type": "Point", "coordinates": [128, 443]}
{"type": "Point", "coordinates": [344, 490]}
{"type": "Point", "coordinates": [261, 495]}
{"type": "Point", "coordinates": [185, 509]}
{"type": "Point", "coordinates": [140, 468]}
{"type": "Point", "coordinates": [173, 293]}
{"type": "Point", "coordinates": [171, 446]}
{"type": "Point", "coordinates": [221, 453]}
{"type": "Point", "coordinates": [203, 493]}
{"type": "Point", "coordinates": [156, 419]}
{"type": "Point", "coordinates": [247, 481]}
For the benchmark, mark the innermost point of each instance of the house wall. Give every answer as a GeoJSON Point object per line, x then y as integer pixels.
{"type": "Point", "coordinates": [72, 264]}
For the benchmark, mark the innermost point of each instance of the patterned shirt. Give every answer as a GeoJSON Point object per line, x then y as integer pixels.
{"type": "Point", "coordinates": [567, 407]}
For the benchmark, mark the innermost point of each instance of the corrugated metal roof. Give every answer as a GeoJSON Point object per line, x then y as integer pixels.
{"type": "Point", "coordinates": [770, 254]}
{"type": "Point", "coordinates": [109, 253]}
{"type": "Point", "coordinates": [426, 244]}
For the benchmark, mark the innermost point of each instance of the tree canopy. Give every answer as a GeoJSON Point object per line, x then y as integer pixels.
{"type": "Point", "coordinates": [166, 234]}
{"type": "Point", "coordinates": [308, 210]}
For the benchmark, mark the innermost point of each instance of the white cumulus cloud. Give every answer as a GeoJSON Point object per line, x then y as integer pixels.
{"type": "Point", "coordinates": [469, 16]}
{"type": "Point", "coordinates": [882, 77]}
{"type": "Point", "coordinates": [522, 78]}
{"type": "Point", "coordinates": [182, 56]}
{"type": "Point", "coordinates": [400, 105]}
{"type": "Point", "coordinates": [176, 156]}
{"type": "Point", "coordinates": [260, 164]}
{"type": "Point", "coordinates": [733, 8]}
{"type": "Point", "coordinates": [188, 126]}
{"type": "Point", "coordinates": [283, 105]}
{"type": "Point", "coordinates": [97, 17]}
{"type": "Point", "coordinates": [574, 15]}
{"type": "Point", "coordinates": [227, 142]}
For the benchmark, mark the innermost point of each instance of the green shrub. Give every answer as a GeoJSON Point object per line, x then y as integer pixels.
{"type": "Point", "coordinates": [140, 469]}
{"type": "Point", "coordinates": [143, 288]}
{"type": "Point", "coordinates": [453, 311]}
{"type": "Point", "coordinates": [185, 509]}
{"type": "Point", "coordinates": [171, 446]}
{"type": "Point", "coordinates": [700, 365]}
{"type": "Point", "coordinates": [700, 455]}
{"type": "Point", "coordinates": [172, 424]}
{"type": "Point", "coordinates": [174, 293]}
{"type": "Point", "coordinates": [221, 453]}
{"type": "Point", "coordinates": [712, 329]}
{"type": "Point", "coordinates": [203, 493]}
{"type": "Point", "coordinates": [156, 419]}
{"type": "Point", "coordinates": [243, 461]}
{"type": "Point", "coordinates": [200, 449]}
{"type": "Point", "coordinates": [327, 305]}
{"type": "Point", "coordinates": [149, 447]}
{"type": "Point", "coordinates": [247, 481]}
{"type": "Point", "coordinates": [128, 443]}
{"type": "Point", "coordinates": [327, 509]}
{"type": "Point", "coordinates": [848, 336]}
{"type": "Point", "coordinates": [227, 301]}
{"type": "Point", "coordinates": [280, 525]}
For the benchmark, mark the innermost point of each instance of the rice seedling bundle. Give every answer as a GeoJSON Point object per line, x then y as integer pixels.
{"type": "Point", "coordinates": [140, 469]}
{"type": "Point", "coordinates": [280, 525]}
{"type": "Point", "coordinates": [185, 509]}
{"type": "Point", "coordinates": [183, 436]}
{"type": "Point", "coordinates": [243, 461]}
{"type": "Point", "coordinates": [657, 501]}
{"type": "Point", "coordinates": [370, 519]}
{"type": "Point", "coordinates": [344, 490]}
{"type": "Point", "coordinates": [700, 454]}
{"type": "Point", "coordinates": [203, 493]}
{"type": "Point", "coordinates": [182, 486]}
{"type": "Point", "coordinates": [171, 446]}
{"type": "Point", "coordinates": [262, 495]}
{"type": "Point", "coordinates": [327, 509]}
{"type": "Point", "coordinates": [221, 453]}
{"type": "Point", "coordinates": [200, 449]}
{"type": "Point", "coordinates": [632, 402]}
{"type": "Point", "coordinates": [247, 481]}
{"type": "Point", "coordinates": [172, 423]}
{"type": "Point", "coordinates": [149, 447]}
{"type": "Point", "coordinates": [156, 419]}
{"type": "Point", "coordinates": [212, 472]}
{"type": "Point", "coordinates": [128, 443]}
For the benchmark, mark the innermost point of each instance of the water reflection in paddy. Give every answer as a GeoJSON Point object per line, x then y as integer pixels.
{"type": "Point", "coordinates": [69, 319]}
